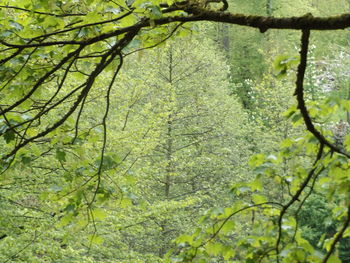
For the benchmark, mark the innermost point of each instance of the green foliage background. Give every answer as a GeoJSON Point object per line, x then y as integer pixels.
{"type": "Point", "coordinates": [204, 141]}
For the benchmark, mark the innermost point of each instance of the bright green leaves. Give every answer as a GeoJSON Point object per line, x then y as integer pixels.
{"type": "Point", "coordinates": [128, 21]}
{"type": "Point", "coordinates": [244, 188]}
{"type": "Point", "coordinates": [289, 224]}
{"type": "Point", "coordinates": [257, 160]}
{"type": "Point", "coordinates": [95, 239]}
{"type": "Point", "coordinates": [214, 249]}
{"type": "Point", "coordinates": [130, 180]}
{"type": "Point", "coordinates": [228, 252]}
{"type": "Point", "coordinates": [283, 63]}
{"type": "Point", "coordinates": [259, 199]}
{"type": "Point", "coordinates": [93, 17]}
{"type": "Point", "coordinates": [228, 227]}
{"type": "Point", "coordinates": [218, 228]}
{"type": "Point", "coordinates": [337, 180]}
{"type": "Point", "coordinates": [347, 142]}
{"type": "Point", "coordinates": [65, 220]}
{"type": "Point", "coordinates": [240, 188]}
{"type": "Point", "coordinates": [294, 115]}
{"type": "Point", "coordinates": [184, 239]}
{"type": "Point", "coordinates": [99, 214]}
{"type": "Point", "coordinates": [334, 259]}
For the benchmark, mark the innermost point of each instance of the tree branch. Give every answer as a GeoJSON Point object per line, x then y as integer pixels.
{"type": "Point", "coordinates": [338, 237]}
{"type": "Point", "coordinates": [295, 198]}
{"type": "Point", "coordinates": [38, 12]}
{"type": "Point", "coordinates": [299, 92]}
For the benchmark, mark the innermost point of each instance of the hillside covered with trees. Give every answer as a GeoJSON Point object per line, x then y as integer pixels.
{"type": "Point", "coordinates": [174, 131]}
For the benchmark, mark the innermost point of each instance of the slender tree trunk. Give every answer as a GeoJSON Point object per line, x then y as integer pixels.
{"type": "Point", "coordinates": [225, 38]}
{"type": "Point", "coordinates": [169, 141]}
{"type": "Point", "coordinates": [348, 113]}
{"type": "Point", "coordinates": [269, 9]}
{"type": "Point", "coordinates": [169, 158]}
{"type": "Point", "coordinates": [169, 152]}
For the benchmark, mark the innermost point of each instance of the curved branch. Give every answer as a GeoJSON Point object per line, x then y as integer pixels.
{"type": "Point", "coordinates": [42, 80]}
{"type": "Point", "coordinates": [17, 52]}
{"type": "Point", "coordinates": [299, 92]}
{"type": "Point", "coordinates": [105, 61]}
{"type": "Point", "coordinates": [104, 125]}
{"type": "Point", "coordinates": [158, 43]}
{"type": "Point", "coordinates": [237, 212]}
{"type": "Point", "coordinates": [263, 23]}
{"type": "Point", "coordinates": [82, 26]}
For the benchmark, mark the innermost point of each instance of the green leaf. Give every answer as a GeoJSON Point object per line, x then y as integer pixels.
{"type": "Point", "coordinates": [26, 159]}
{"type": "Point", "coordinates": [347, 232]}
{"type": "Point", "coordinates": [92, 17]}
{"type": "Point", "coordinates": [183, 239]}
{"type": "Point", "coordinates": [70, 208]}
{"type": "Point", "coordinates": [217, 211]}
{"type": "Point", "coordinates": [259, 199]}
{"type": "Point", "coordinates": [284, 62]}
{"type": "Point", "coordinates": [228, 227]}
{"type": "Point", "coordinates": [99, 213]}
{"type": "Point", "coordinates": [214, 249]}
{"type": "Point", "coordinates": [155, 12]}
{"type": "Point", "coordinates": [257, 160]}
{"type": "Point", "coordinates": [9, 136]}
{"type": "Point", "coordinates": [290, 112]}
{"type": "Point", "coordinates": [128, 21]}
{"type": "Point", "coordinates": [65, 220]}
{"type": "Point", "coordinates": [334, 259]}
{"type": "Point", "coordinates": [60, 155]}
{"type": "Point", "coordinates": [346, 104]}
{"type": "Point", "coordinates": [256, 185]}
{"type": "Point", "coordinates": [228, 252]}
{"type": "Point", "coordinates": [347, 142]}
{"type": "Point", "coordinates": [95, 239]}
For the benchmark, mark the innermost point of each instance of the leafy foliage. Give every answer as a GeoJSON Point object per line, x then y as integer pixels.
{"type": "Point", "coordinates": [103, 161]}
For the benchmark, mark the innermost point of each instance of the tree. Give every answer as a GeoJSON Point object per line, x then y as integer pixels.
{"type": "Point", "coordinates": [45, 88]}
{"type": "Point", "coordinates": [193, 159]}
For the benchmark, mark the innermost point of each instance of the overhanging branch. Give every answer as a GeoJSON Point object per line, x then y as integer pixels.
{"type": "Point", "coordinates": [299, 93]}
{"type": "Point", "coordinates": [264, 23]}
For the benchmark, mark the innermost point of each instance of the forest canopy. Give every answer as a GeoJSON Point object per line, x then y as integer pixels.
{"type": "Point", "coordinates": [165, 131]}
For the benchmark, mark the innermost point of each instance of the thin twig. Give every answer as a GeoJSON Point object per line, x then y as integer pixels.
{"type": "Point", "coordinates": [157, 44]}
{"type": "Point", "coordinates": [104, 124]}
{"type": "Point", "coordinates": [23, 248]}
{"type": "Point", "coordinates": [42, 80]}
{"type": "Point", "coordinates": [38, 12]}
